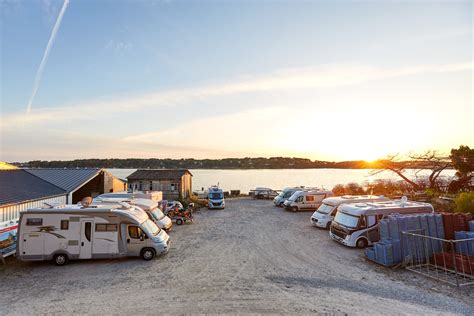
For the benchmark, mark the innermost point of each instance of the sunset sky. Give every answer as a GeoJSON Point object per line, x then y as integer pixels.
{"type": "Point", "coordinates": [211, 79]}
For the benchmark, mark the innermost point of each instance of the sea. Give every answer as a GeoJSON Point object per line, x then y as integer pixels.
{"type": "Point", "coordinates": [278, 179]}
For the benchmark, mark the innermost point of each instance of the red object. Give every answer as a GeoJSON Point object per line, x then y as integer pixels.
{"type": "Point", "coordinates": [464, 263]}
{"type": "Point", "coordinates": [455, 222]}
{"type": "Point", "coordinates": [10, 228]}
{"type": "Point", "coordinates": [448, 226]}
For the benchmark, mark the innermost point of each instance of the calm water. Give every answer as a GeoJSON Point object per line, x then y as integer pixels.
{"type": "Point", "coordinates": [277, 179]}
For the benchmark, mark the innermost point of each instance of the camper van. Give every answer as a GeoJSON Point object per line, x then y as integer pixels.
{"type": "Point", "coordinates": [284, 195]}
{"type": "Point", "coordinates": [66, 232]}
{"type": "Point", "coordinates": [215, 198]}
{"type": "Point", "coordinates": [326, 211]}
{"type": "Point", "coordinates": [306, 200]}
{"type": "Point", "coordinates": [357, 224]}
{"type": "Point", "coordinates": [149, 206]}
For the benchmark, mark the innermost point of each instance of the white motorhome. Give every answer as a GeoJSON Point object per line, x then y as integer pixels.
{"type": "Point", "coordinates": [357, 224]}
{"type": "Point", "coordinates": [306, 200]}
{"type": "Point", "coordinates": [327, 210]}
{"type": "Point", "coordinates": [215, 198]}
{"type": "Point", "coordinates": [284, 195]}
{"type": "Point", "coordinates": [66, 232]}
{"type": "Point", "coordinates": [149, 206]}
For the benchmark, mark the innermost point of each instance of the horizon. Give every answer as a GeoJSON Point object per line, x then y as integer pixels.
{"type": "Point", "coordinates": [343, 81]}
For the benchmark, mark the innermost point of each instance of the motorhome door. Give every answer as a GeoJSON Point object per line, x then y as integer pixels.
{"type": "Point", "coordinates": [86, 239]}
{"type": "Point", "coordinates": [135, 240]}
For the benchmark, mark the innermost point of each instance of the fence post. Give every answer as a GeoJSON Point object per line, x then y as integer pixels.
{"type": "Point", "coordinates": [453, 251]}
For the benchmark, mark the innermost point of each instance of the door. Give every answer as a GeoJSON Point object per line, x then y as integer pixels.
{"type": "Point", "coordinates": [373, 233]}
{"type": "Point", "coordinates": [85, 251]}
{"type": "Point", "coordinates": [135, 240]}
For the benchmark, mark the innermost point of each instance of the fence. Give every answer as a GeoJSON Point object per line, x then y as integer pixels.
{"type": "Point", "coordinates": [449, 261]}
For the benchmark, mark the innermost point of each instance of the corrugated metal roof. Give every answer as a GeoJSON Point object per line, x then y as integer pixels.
{"type": "Point", "coordinates": [67, 179]}
{"type": "Point", "coordinates": [17, 185]}
{"type": "Point", "coordinates": [158, 174]}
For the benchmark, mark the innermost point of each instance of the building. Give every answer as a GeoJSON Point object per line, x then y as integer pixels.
{"type": "Point", "coordinates": [171, 182]}
{"type": "Point", "coordinates": [20, 190]}
{"type": "Point", "coordinates": [80, 183]}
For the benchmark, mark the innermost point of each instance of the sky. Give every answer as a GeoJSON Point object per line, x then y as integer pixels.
{"type": "Point", "coordinates": [325, 80]}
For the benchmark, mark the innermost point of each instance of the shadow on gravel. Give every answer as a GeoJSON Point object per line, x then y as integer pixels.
{"type": "Point", "coordinates": [414, 295]}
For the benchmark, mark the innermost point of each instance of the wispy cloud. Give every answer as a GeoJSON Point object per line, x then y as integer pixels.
{"type": "Point", "coordinates": [39, 73]}
{"type": "Point", "coordinates": [331, 75]}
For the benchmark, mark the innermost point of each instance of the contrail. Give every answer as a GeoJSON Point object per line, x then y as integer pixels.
{"type": "Point", "coordinates": [39, 73]}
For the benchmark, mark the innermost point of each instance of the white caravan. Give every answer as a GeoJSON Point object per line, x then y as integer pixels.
{"type": "Point", "coordinates": [67, 232]}
{"type": "Point", "coordinates": [326, 211]}
{"type": "Point", "coordinates": [357, 224]}
{"type": "Point", "coordinates": [149, 206]}
{"type": "Point", "coordinates": [306, 200]}
{"type": "Point", "coordinates": [215, 198]}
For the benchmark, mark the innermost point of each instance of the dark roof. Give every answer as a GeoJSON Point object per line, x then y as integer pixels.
{"type": "Point", "coordinates": [158, 174]}
{"type": "Point", "coordinates": [67, 179]}
{"type": "Point", "coordinates": [17, 185]}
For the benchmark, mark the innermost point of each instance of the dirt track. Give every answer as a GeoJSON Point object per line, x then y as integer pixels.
{"type": "Point", "coordinates": [249, 258]}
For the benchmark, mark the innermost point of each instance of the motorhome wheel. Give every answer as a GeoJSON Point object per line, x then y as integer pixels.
{"type": "Point", "coordinates": [361, 243]}
{"type": "Point", "coordinates": [328, 225]}
{"type": "Point", "coordinates": [294, 209]}
{"type": "Point", "coordinates": [60, 259]}
{"type": "Point", "coordinates": [179, 221]}
{"type": "Point", "coordinates": [148, 254]}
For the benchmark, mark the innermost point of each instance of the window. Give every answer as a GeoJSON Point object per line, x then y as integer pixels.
{"type": "Point", "coordinates": [371, 220]}
{"type": "Point", "coordinates": [174, 186]}
{"type": "Point", "coordinates": [105, 227]}
{"type": "Point", "coordinates": [310, 198]}
{"type": "Point", "coordinates": [64, 224]}
{"type": "Point", "coordinates": [34, 221]}
{"type": "Point", "coordinates": [299, 199]}
{"type": "Point", "coordinates": [134, 232]}
{"type": "Point", "coordinates": [88, 230]}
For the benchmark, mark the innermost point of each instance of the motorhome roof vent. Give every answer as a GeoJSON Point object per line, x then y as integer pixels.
{"type": "Point", "coordinates": [85, 202]}
{"type": "Point", "coordinates": [125, 205]}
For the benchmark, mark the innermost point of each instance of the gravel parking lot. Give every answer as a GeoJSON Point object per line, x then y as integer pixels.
{"type": "Point", "coordinates": [251, 257]}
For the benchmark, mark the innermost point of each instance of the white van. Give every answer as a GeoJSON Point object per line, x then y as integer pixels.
{"type": "Point", "coordinates": [63, 233]}
{"type": "Point", "coordinates": [357, 224]}
{"type": "Point", "coordinates": [149, 206]}
{"type": "Point", "coordinates": [215, 198]}
{"type": "Point", "coordinates": [326, 211]}
{"type": "Point", "coordinates": [306, 200]}
{"type": "Point", "coordinates": [284, 195]}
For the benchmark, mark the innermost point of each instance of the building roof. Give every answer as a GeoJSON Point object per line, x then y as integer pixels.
{"type": "Point", "coordinates": [6, 166]}
{"type": "Point", "coordinates": [67, 179]}
{"type": "Point", "coordinates": [17, 186]}
{"type": "Point", "coordinates": [158, 174]}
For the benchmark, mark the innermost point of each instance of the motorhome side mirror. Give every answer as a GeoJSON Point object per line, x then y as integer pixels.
{"type": "Point", "coordinates": [142, 238]}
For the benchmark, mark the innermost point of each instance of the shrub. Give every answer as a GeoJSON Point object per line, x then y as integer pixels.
{"type": "Point", "coordinates": [465, 203]}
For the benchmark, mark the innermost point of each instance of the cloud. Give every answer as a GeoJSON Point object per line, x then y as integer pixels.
{"type": "Point", "coordinates": [324, 76]}
{"type": "Point", "coordinates": [39, 73]}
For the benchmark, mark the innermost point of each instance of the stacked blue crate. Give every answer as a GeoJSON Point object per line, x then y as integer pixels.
{"type": "Point", "coordinates": [464, 247]}
{"type": "Point", "coordinates": [471, 226]}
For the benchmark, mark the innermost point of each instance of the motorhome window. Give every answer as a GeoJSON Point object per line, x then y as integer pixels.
{"type": "Point", "coordinates": [87, 230]}
{"type": "Point", "coordinates": [34, 221]}
{"type": "Point", "coordinates": [134, 232]}
{"type": "Point", "coordinates": [150, 227]}
{"type": "Point", "coordinates": [105, 227]}
{"type": "Point", "coordinates": [299, 199]}
{"type": "Point", "coordinates": [64, 224]}
{"type": "Point", "coordinates": [216, 196]}
{"type": "Point", "coordinates": [325, 209]}
{"type": "Point", "coordinates": [347, 220]}
{"type": "Point", "coordinates": [363, 222]}
{"type": "Point", "coordinates": [310, 198]}
{"type": "Point", "coordinates": [112, 227]}
{"type": "Point", "coordinates": [157, 214]}
{"type": "Point", "coordinates": [371, 220]}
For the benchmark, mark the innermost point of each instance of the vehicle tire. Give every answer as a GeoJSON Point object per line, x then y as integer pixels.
{"type": "Point", "coordinates": [328, 225]}
{"type": "Point", "coordinates": [147, 254]}
{"type": "Point", "coordinates": [361, 243]}
{"type": "Point", "coordinates": [179, 221]}
{"type": "Point", "coordinates": [281, 204]}
{"type": "Point", "coordinates": [294, 209]}
{"type": "Point", "coordinates": [60, 259]}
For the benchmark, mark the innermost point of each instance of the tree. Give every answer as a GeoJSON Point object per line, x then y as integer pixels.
{"type": "Point", "coordinates": [463, 161]}
{"type": "Point", "coordinates": [430, 160]}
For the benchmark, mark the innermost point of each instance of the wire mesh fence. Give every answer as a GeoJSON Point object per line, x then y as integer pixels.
{"type": "Point", "coordinates": [449, 261]}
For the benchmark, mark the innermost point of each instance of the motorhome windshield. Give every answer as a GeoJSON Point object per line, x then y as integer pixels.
{"type": "Point", "coordinates": [288, 194]}
{"type": "Point", "coordinates": [157, 214]}
{"type": "Point", "coordinates": [215, 196]}
{"type": "Point", "coordinates": [350, 221]}
{"type": "Point", "coordinates": [325, 209]}
{"type": "Point", "coordinates": [150, 227]}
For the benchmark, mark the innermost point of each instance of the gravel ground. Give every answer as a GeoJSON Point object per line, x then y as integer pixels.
{"type": "Point", "coordinates": [249, 258]}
